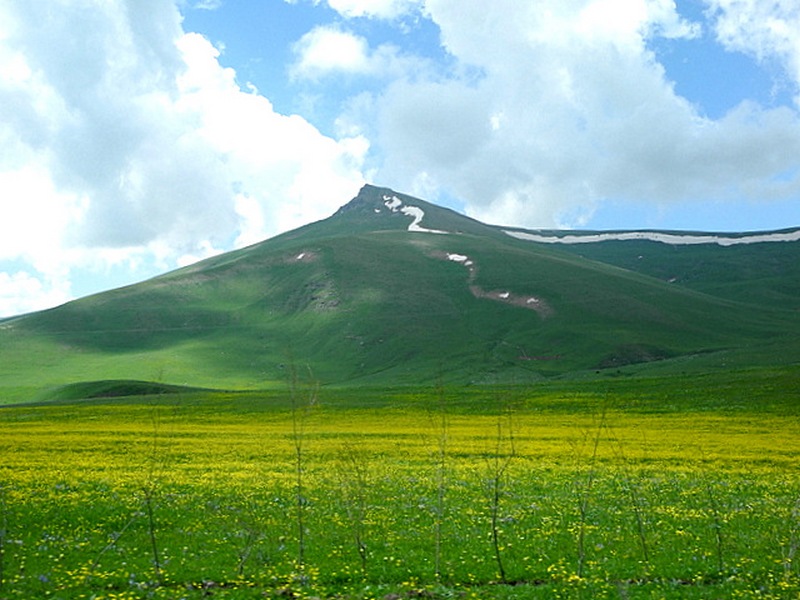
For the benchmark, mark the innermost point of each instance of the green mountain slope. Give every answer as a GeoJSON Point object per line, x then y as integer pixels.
{"type": "Point", "coordinates": [390, 290]}
{"type": "Point", "coordinates": [764, 273]}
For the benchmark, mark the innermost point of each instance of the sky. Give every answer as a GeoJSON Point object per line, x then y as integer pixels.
{"type": "Point", "coordinates": [138, 136]}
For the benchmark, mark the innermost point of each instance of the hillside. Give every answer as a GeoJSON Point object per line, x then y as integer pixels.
{"type": "Point", "coordinates": [760, 267]}
{"type": "Point", "coordinates": [391, 290]}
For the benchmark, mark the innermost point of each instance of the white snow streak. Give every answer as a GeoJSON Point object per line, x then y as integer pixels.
{"type": "Point", "coordinates": [459, 258]}
{"type": "Point", "coordinates": [654, 236]}
{"type": "Point", "coordinates": [394, 204]}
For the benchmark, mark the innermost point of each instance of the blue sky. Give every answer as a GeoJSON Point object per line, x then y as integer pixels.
{"type": "Point", "coordinates": [141, 135]}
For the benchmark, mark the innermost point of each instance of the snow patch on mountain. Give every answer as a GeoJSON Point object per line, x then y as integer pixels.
{"type": "Point", "coordinates": [394, 204]}
{"type": "Point", "coordinates": [674, 239]}
{"type": "Point", "coordinates": [460, 258]}
{"type": "Point", "coordinates": [504, 296]}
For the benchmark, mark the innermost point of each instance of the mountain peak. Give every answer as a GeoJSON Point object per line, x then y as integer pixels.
{"type": "Point", "coordinates": [382, 208]}
{"type": "Point", "coordinates": [371, 197]}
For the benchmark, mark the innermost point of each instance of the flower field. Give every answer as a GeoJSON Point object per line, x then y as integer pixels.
{"type": "Point", "coordinates": [223, 497]}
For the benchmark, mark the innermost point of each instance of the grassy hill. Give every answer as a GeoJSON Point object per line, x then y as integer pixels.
{"type": "Point", "coordinates": [763, 274]}
{"type": "Point", "coordinates": [394, 290]}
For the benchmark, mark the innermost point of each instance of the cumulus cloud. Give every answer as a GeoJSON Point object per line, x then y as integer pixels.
{"type": "Point", "coordinates": [283, 162]}
{"type": "Point", "coordinates": [559, 105]}
{"type": "Point", "coordinates": [329, 50]}
{"type": "Point", "coordinates": [129, 140]}
{"type": "Point", "coordinates": [769, 31]}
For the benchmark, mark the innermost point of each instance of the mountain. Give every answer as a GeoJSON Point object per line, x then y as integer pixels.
{"type": "Point", "coordinates": [392, 290]}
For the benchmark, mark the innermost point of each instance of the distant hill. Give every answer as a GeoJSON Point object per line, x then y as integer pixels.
{"type": "Point", "coordinates": [392, 289]}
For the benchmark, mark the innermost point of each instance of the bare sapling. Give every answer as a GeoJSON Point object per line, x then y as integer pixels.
{"type": "Point", "coordinates": [631, 490]}
{"type": "Point", "coordinates": [792, 544]}
{"type": "Point", "coordinates": [303, 398]}
{"type": "Point", "coordinates": [443, 429]}
{"type": "Point", "coordinates": [3, 534]}
{"type": "Point", "coordinates": [499, 461]}
{"type": "Point", "coordinates": [251, 538]}
{"type": "Point", "coordinates": [716, 519]}
{"type": "Point", "coordinates": [149, 493]}
{"type": "Point", "coordinates": [355, 484]}
{"type": "Point", "coordinates": [250, 535]}
{"type": "Point", "coordinates": [115, 537]}
{"type": "Point", "coordinates": [584, 493]}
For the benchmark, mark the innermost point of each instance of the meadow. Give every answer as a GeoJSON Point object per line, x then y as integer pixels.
{"type": "Point", "coordinates": [630, 489]}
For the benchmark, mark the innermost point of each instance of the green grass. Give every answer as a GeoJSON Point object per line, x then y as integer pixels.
{"type": "Point", "coordinates": [691, 492]}
{"type": "Point", "coordinates": [761, 274]}
{"type": "Point", "coordinates": [113, 388]}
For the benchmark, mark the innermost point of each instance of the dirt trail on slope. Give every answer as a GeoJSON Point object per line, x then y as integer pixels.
{"type": "Point", "coordinates": [506, 297]}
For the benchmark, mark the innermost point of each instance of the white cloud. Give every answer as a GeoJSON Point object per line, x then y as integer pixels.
{"type": "Point", "coordinates": [383, 9]}
{"type": "Point", "coordinates": [769, 31]}
{"type": "Point", "coordinates": [204, 250]}
{"type": "Point", "coordinates": [251, 216]}
{"type": "Point", "coordinates": [380, 9]}
{"type": "Point", "coordinates": [283, 162]}
{"type": "Point", "coordinates": [207, 4]}
{"type": "Point", "coordinates": [37, 218]}
{"type": "Point", "coordinates": [22, 292]}
{"type": "Point", "coordinates": [130, 140]}
{"type": "Point", "coordinates": [329, 50]}
{"type": "Point", "coordinates": [571, 108]}
{"type": "Point", "coordinates": [629, 21]}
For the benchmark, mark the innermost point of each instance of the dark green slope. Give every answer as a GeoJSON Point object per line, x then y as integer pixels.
{"type": "Point", "coordinates": [359, 298]}
{"type": "Point", "coordinates": [766, 273]}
